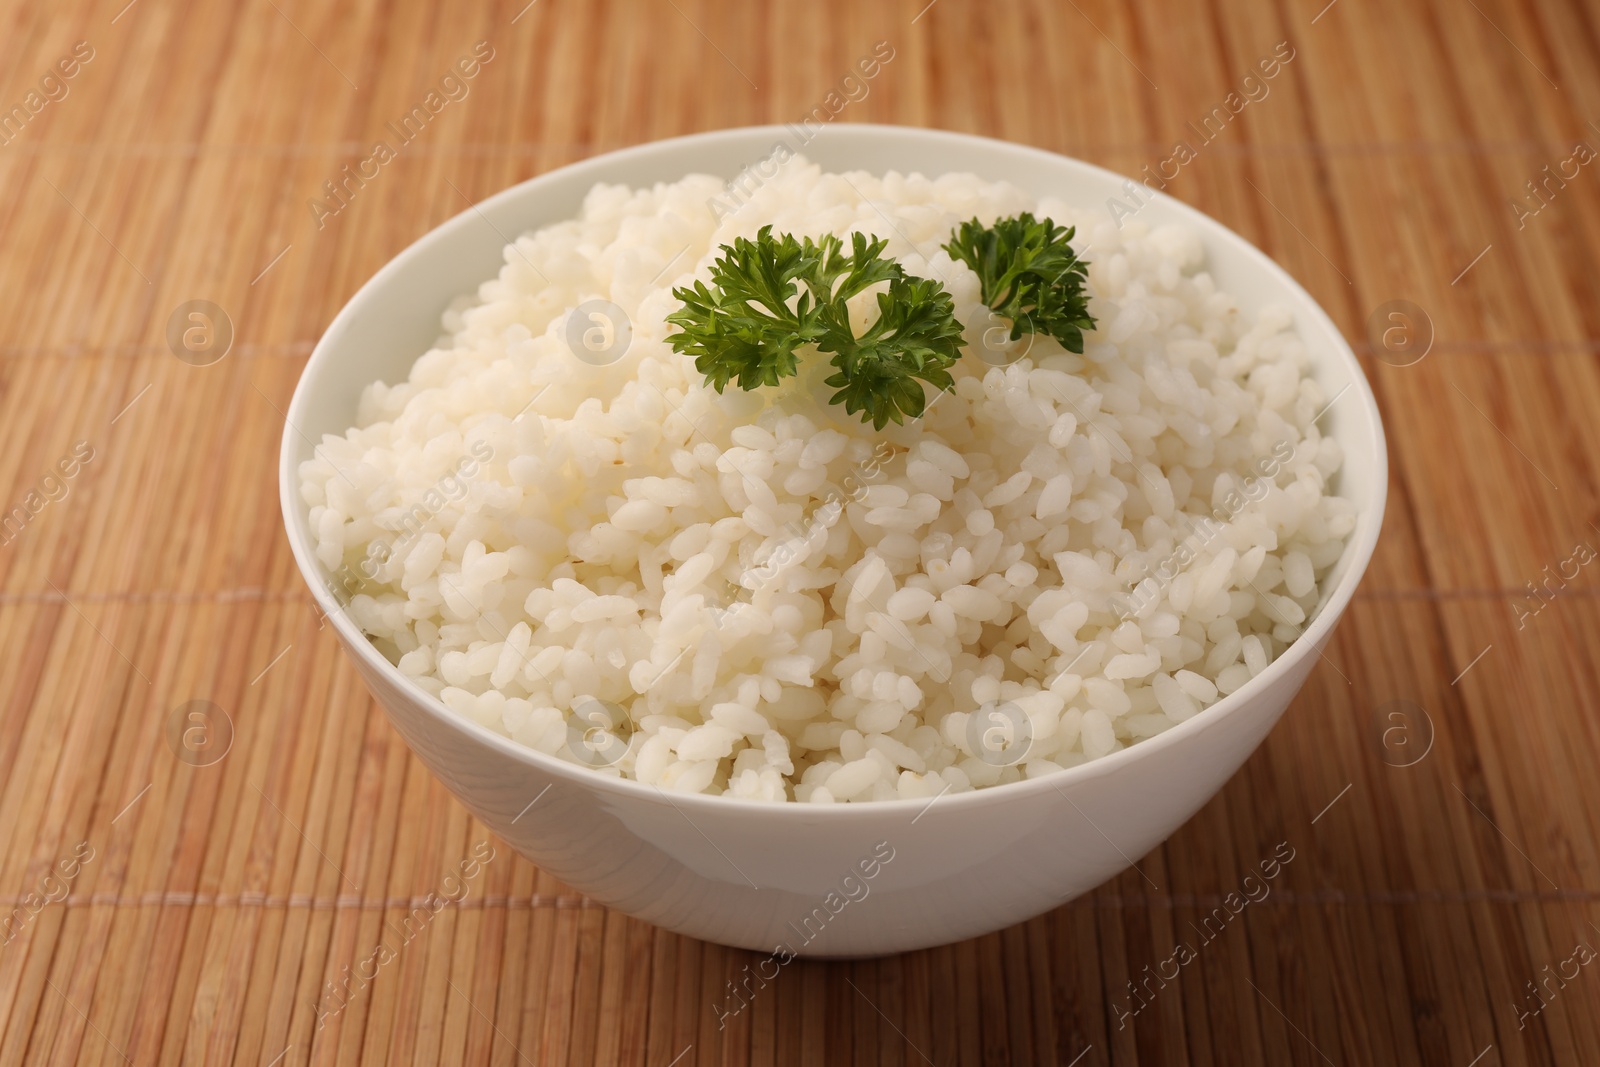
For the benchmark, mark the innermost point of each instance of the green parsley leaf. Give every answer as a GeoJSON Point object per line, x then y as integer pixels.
{"type": "Point", "coordinates": [1029, 274]}
{"type": "Point", "coordinates": [772, 296]}
{"type": "Point", "coordinates": [745, 329]}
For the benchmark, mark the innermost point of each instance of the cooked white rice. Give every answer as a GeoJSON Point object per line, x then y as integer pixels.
{"type": "Point", "coordinates": [1068, 553]}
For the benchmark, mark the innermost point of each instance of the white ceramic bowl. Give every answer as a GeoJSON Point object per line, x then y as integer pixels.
{"type": "Point", "coordinates": [760, 876]}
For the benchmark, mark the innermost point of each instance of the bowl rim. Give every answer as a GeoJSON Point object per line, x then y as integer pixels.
{"type": "Point", "coordinates": [1357, 553]}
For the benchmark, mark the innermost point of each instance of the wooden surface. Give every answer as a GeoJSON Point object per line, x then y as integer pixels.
{"type": "Point", "coordinates": [207, 905]}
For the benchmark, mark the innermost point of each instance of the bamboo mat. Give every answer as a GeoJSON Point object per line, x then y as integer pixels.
{"type": "Point", "coordinates": [163, 911]}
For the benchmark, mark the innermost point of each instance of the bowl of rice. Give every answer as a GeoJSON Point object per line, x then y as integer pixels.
{"type": "Point", "coordinates": [751, 668]}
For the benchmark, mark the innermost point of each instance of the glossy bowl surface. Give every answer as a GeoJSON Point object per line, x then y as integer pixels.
{"type": "Point", "coordinates": [837, 880]}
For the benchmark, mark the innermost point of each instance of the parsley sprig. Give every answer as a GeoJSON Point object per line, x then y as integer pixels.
{"type": "Point", "coordinates": [1030, 274]}
{"type": "Point", "coordinates": [771, 297]}
{"type": "Point", "coordinates": [774, 295]}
